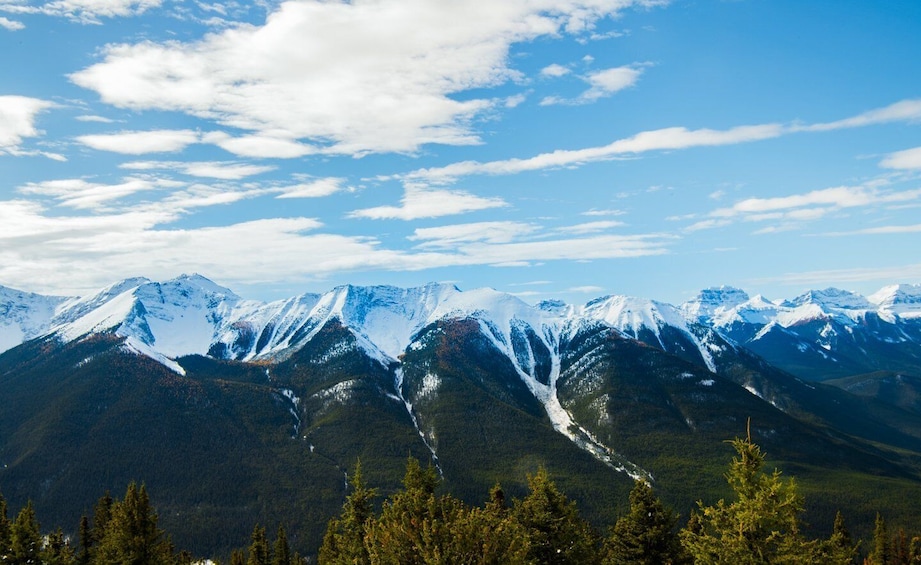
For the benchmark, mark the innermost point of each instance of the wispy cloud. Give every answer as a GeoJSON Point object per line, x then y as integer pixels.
{"type": "Point", "coordinates": [82, 11]}
{"type": "Point", "coordinates": [602, 83]}
{"type": "Point", "coordinates": [454, 235]}
{"type": "Point", "coordinates": [789, 211]}
{"type": "Point", "coordinates": [141, 142]}
{"type": "Point", "coordinates": [81, 194]}
{"type": "Point", "coordinates": [903, 111]}
{"type": "Point", "coordinates": [314, 188]}
{"type": "Point", "coordinates": [224, 170]}
{"type": "Point", "coordinates": [418, 202]}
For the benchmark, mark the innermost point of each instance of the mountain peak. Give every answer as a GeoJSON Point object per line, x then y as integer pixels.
{"type": "Point", "coordinates": [710, 302]}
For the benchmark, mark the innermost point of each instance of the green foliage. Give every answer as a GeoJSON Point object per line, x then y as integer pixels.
{"type": "Point", "coordinates": [557, 533]}
{"type": "Point", "coordinates": [647, 535]}
{"type": "Point", "coordinates": [281, 552]}
{"type": "Point", "coordinates": [344, 539]}
{"type": "Point", "coordinates": [26, 539]}
{"type": "Point", "coordinates": [761, 525]}
{"type": "Point", "coordinates": [5, 532]}
{"type": "Point", "coordinates": [131, 535]}
{"type": "Point", "coordinates": [258, 547]}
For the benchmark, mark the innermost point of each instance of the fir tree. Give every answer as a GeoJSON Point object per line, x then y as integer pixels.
{"type": "Point", "coordinates": [881, 552]}
{"type": "Point", "coordinates": [344, 541]}
{"type": "Point", "coordinates": [86, 541]}
{"type": "Point", "coordinates": [258, 547]}
{"type": "Point", "coordinates": [131, 535]}
{"type": "Point", "coordinates": [761, 526]}
{"type": "Point", "coordinates": [556, 532]}
{"type": "Point", "coordinates": [647, 535]}
{"type": "Point", "coordinates": [57, 551]}
{"type": "Point", "coordinates": [281, 553]}
{"type": "Point", "coordinates": [5, 531]}
{"type": "Point", "coordinates": [25, 537]}
{"type": "Point", "coordinates": [237, 557]}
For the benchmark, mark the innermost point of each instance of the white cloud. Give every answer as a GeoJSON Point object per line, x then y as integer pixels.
{"type": "Point", "coordinates": [11, 25]}
{"type": "Point", "coordinates": [97, 119]}
{"type": "Point", "coordinates": [907, 159]}
{"type": "Point", "coordinates": [83, 11]}
{"type": "Point", "coordinates": [80, 194]}
{"type": "Point", "coordinates": [554, 70]}
{"type": "Point", "coordinates": [601, 84]}
{"type": "Point", "coordinates": [259, 146]}
{"type": "Point", "coordinates": [223, 170]}
{"type": "Point", "coordinates": [905, 110]}
{"type": "Point", "coordinates": [606, 212]}
{"type": "Point", "coordinates": [17, 120]}
{"type": "Point", "coordinates": [656, 140]}
{"type": "Point", "coordinates": [586, 289]}
{"type": "Point", "coordinates": [454, 235]}
{"type": "Point", "coordinates": [419, 202]}
{"type": "Point", "coordinates": [313, 189]}
{"type": "Point", "coordinates": [141, 142]}
{"type": "Point", "coordinates": [349, 77]}
{"type": "Point", "coordinates": [880, 230]}
{"type": "Point", "coordinates": [590, 227]}
{"type": "Point", "coordinates": [885, 275]}
{"type": "Point", "coordinates": [791, 211]}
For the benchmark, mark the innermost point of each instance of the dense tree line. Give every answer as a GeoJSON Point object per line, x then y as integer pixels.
{"type": "Point", "coordinates": [759, 525]}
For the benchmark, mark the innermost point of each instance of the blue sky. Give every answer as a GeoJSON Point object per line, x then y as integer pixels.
{"type": "Point", "coordinates": [553, 149]}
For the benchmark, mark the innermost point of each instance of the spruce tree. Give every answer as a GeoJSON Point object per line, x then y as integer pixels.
{"type": "Point", "coordinates": [281, 553]}
{"type": "Point", "coordinates": [5, 531]}
{"type": "Point", "coordinates": [647, 535]}
{"type": "Point", "coordinates": [881, 552]}
{"type": "Point", "coordinates": [25, 537]}
{"type": "Point", "coordinates": [131, 535]}
{"type": "Point", "coordinates": [556, 532]}
{"type": "Point", "coordinates": [344, 541]}
{"type": "Point", "coordinates": [237, 557]}
{"type": "Point", "coordinates": [258, 547]}
{"type": "Point", "coordinates": [761, 526]}
{"type": "Point", "coordinates": [57, 551]}
{"type": "Point", "coordinates": [86, 541]}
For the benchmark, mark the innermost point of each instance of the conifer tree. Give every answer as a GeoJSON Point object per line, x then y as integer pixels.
{"type": "Point", "coordinates": [25, 538]}
{"type": "Point", "coordinates": [281, 553]}
{"type": "Point", "coordinates": [344, 541]}
{"type": "Point", "coordinates": [5, 532]}
{"type": "Point", "coordinates": [131, 535]}
{"type": "Point", "coordinates": [258, 547]}
{"type": "Point", "coordinates": [761, 526]}
{"type": "Point", "coordinates": [57, 551]}
{"type": "Point", "coordinates": [86, 541]}
{"type": "Point", "coordinates": [237, 557]}
{"type": "Point", "coordinates": [102, 512]}
{"type": "Point", "coordinates": [647, 535]}
{"type": "Point", "coordinates": [556, 532]}
{"type": "Point", "coordinates": [881, 552]}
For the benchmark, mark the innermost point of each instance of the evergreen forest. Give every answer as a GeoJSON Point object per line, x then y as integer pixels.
{"type": "Point", "coordinates": [761, 523]}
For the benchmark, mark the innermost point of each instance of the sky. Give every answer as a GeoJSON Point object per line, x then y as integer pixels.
{"type": "Point", "coordinates": [562, 149]}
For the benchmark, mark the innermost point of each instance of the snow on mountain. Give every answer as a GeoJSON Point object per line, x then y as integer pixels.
{"type": "Point", "coordinates": [24, 315]}
{"type": "Point", "coordinates": [713, 302]}
{"type": "Point", "coordinates": [832, 303]}
{"type": "Point", "coordinates": [902, 300]}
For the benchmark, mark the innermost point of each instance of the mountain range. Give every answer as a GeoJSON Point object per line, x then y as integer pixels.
{"type": "Point", "coordinates": [239, 411]}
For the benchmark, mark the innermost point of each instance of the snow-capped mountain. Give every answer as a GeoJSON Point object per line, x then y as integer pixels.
{"type": "Point", "coordinates": [24, 315]}
{"type": "Point", "coordinates": [820, 334]}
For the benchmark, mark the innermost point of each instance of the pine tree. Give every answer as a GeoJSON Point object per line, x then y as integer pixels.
{"type": "Point", "coordinates": [761, 526]}
{"type": "Point", "coordinates": [131, 535]}
{"type": "Point", "coordinates": [647, 535]}
{"type": "Point", "coordinates": [57, 551]}
{"type": "Point", "coordinates": [6, 540]}
{"type": "Point", "coordinates": [344, 541]}
{"type": "Point", "coordinates": [281, 553]}
{"type": "Point", "coordinates": [26, 539]}
{"type": "Point", "coordinates": [881, 552]}
{"type": "Point", "coordinates": [258, 547]}
{"type": "Point", "coordinates": [237, 557]}
{"type": "Point", "coordinates": [102, 513]}
{"type": "Point", "coordinates": [556, 532]}
{"type": "Point", "coordinates": [86, 541]}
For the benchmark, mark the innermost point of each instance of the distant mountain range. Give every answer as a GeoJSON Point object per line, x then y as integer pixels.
{"type": "Point", "coordinates": [237, 411]}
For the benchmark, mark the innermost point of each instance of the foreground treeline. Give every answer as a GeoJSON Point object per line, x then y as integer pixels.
{"type": "Point", "coordinates": [759, 525]}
